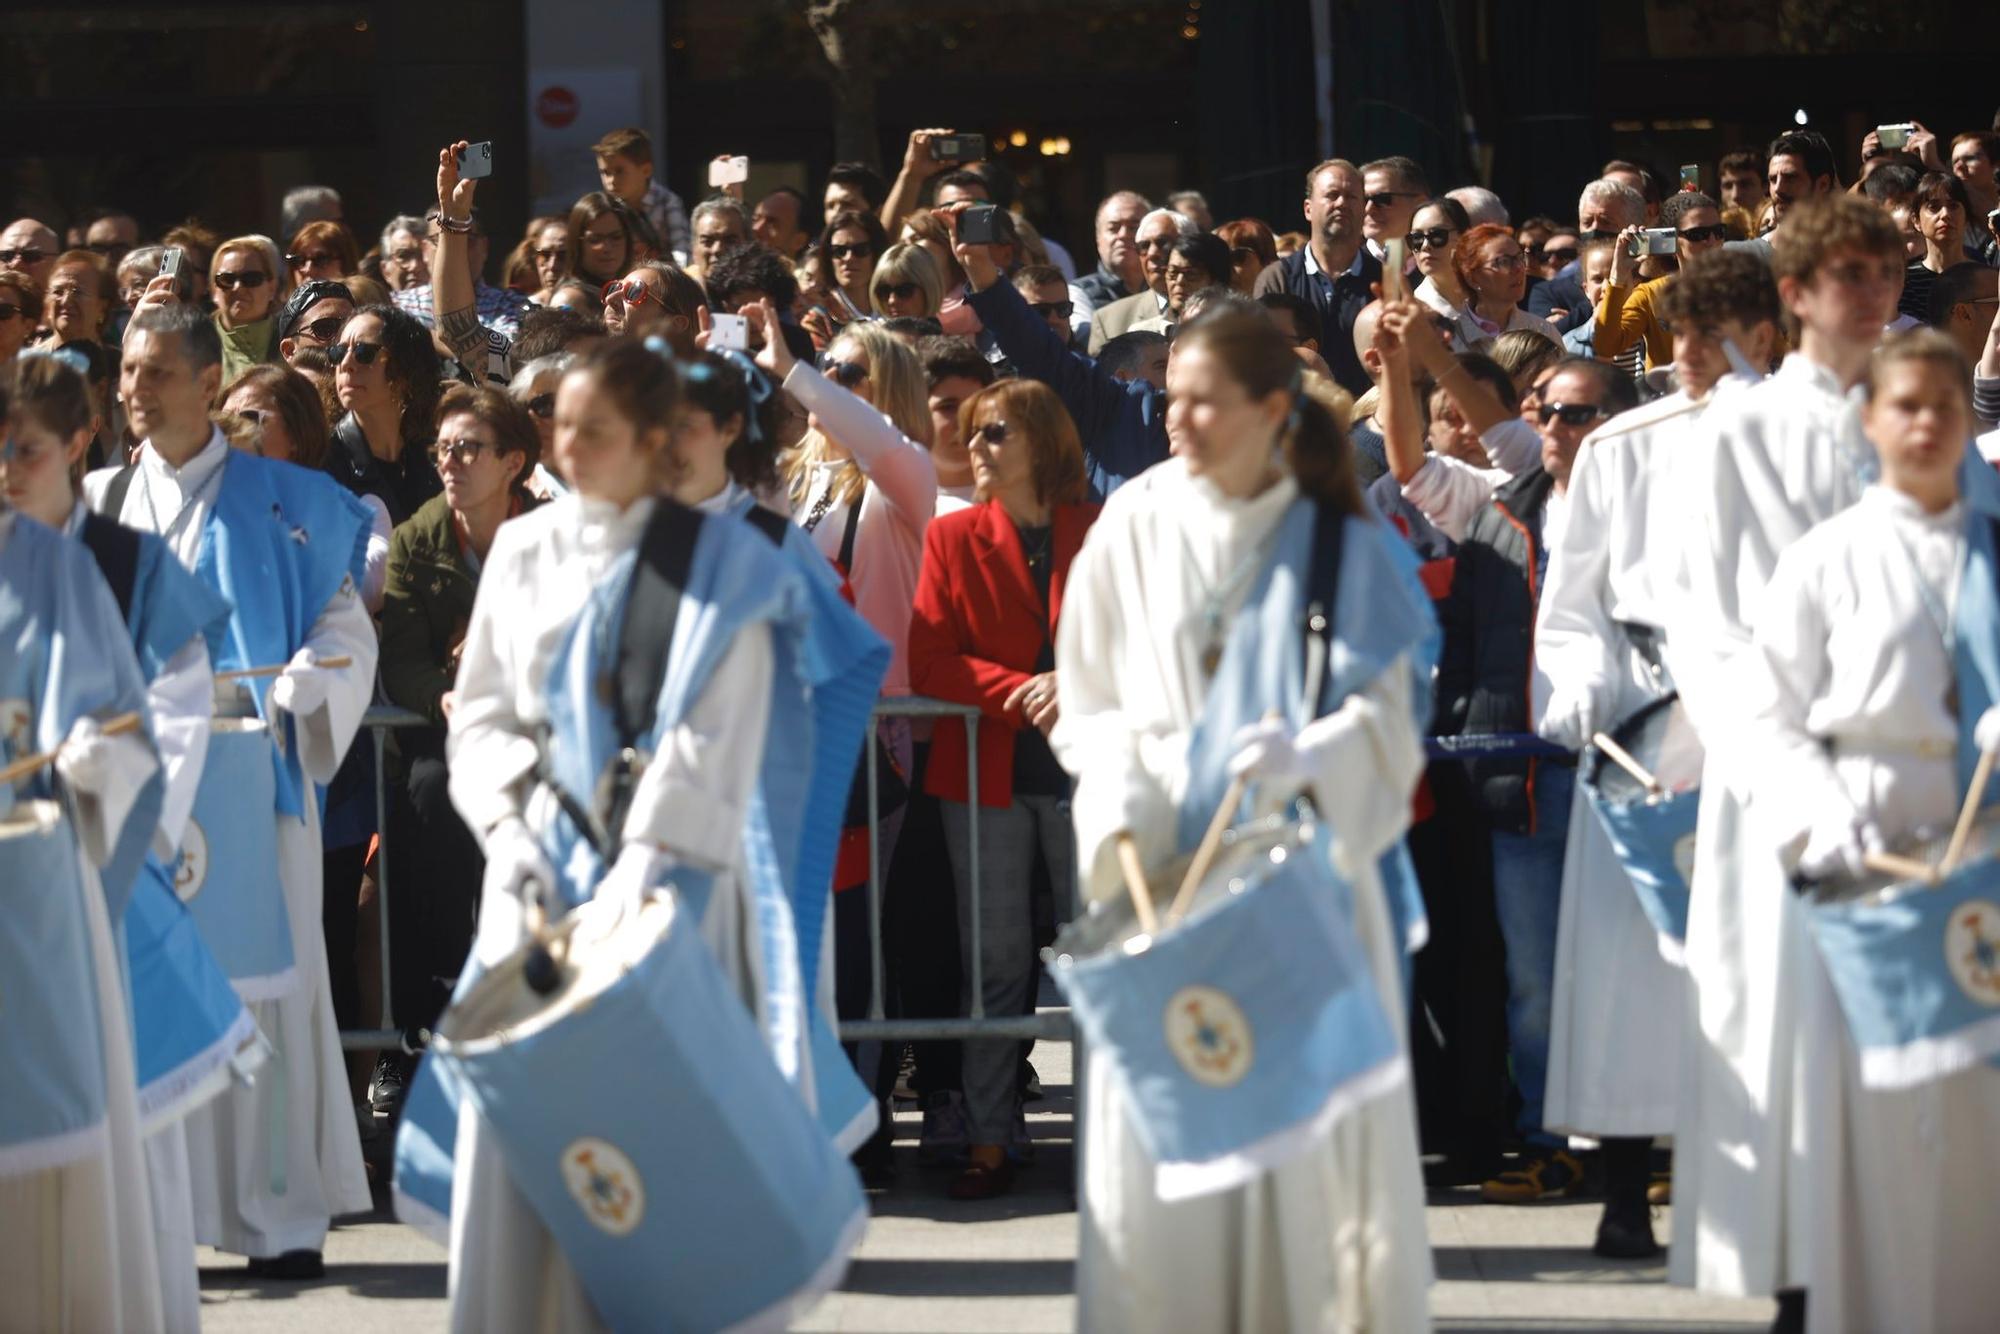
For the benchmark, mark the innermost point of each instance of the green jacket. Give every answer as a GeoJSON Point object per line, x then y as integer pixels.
{"type": "Point", "coordinates": [246, 345]}
{"type": "Point", "coordinates": [426, 606]}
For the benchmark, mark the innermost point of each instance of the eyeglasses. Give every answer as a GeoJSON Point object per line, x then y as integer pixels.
{"type": "Point", "coordinates": [461, 452]}
{"type": "Point", "coordinates": [995, 432]}
{"type": "Point", "coordinates": [1506, 263]}
{"type": "Point", "coordinates": [1597, 234]}
{"type": "Point", "coordinates": [1572, 414]}
{"type": "Point", "coordinates": [29, 256]}
{"type": "Point", "coordinates": [858, 250]}
{"type": "Point", "coordinates": [897, 291]}
{"type": "Point", "coordinates": [1059, 309]}
{"type": "Point", "coordinates": [604, 238]}
{"type": "Point", "coordinates": [1384, 198]}
{"type": "Point", "coordinates": [1159, 243]}
{"type": "Point", "coordinates": [322, 330]}
{"type": "Point", "coordinates": [108, 248]}
{"type": "Point", "coordinates": [364, 353]}
{"type": "Point", "coordinates": [255, 416]}
{"type": "Point", "coordinates": [1431, 238]}
{"type": "Point", "coordinates": [544, 405]}
{"type": "Point", "coordinates": [1714, 231]}
{"type": "Point", "coordinates": [231, 280]}
{"type": "Point", "coordinates": [8, 311]}
{"type": "Point", "coordinates": [632, 293]}
{"type": "Point", "coordinates": [1566, 255]}
{"type": "Point", "coordinates": [847, 374]}
{"type": "Point", "coordinates": [549, 252]}
{"type": "Point", "coordinates": [314, 260]}
{"type": "Point", "coordinates": [405, 256]}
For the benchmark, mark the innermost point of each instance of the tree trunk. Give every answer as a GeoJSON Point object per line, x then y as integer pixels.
{"type": "Point", "coordinates": [844, 41]}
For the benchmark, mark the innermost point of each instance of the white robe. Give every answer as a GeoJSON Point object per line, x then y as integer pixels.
{"type": "Point", "coordinates": [269, 1166]}
{"type": "Point", "coordinates": [1335, 1239]}
{"type": "Point", "coordinates": [1890, 1200]}
{"type": "Point", "coordinates": [1619, 1006]}
{"type": "Point", "coordinates": [507, 1274]}
{"type": "Point", "coordinates": [1769, 460]}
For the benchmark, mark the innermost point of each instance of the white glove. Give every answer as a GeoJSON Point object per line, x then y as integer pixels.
{"type": "Point", "coordinates": [515, 860]}
{"type": "Point", "coordinates": [1836, 847]}
{"type": "Point", "coordinates": [1986, 733]}
{"type": "Point", "coordinates": [640, 866]}
{"type": "Point", "coordinates": [85, 760]}
{"type": "Point", "coordinates": [1266, 752]}
{"type": "Point", "coordinates": [301, 689]}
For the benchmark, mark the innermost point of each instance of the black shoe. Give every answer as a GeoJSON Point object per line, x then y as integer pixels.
{"type": "Point", "coordinates": [389, 1083]}
{"type": "Point", "coordinates": [1625, 1234]}
{"type": "Point", "coordinates": [290, 1265]}
{"type": "Point", "coordinates": [1791, 1312]}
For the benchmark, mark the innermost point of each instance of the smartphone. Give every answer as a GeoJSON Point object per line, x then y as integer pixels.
{"type": "Point", "coordinates": [170, 263]}
{"type": "Point", "coordinates": [1894, 137]}
{"type": "Point", "coordinates": [958, 148]}
{"type": "Point", "coordinates": [728, 171]}
{"type": "Point", "coordinates": [975, 225]}
{"type": "Point", "coordinates": [475, 161]}
{"type": "Point", "coordinates": [1655, 241]}
{"type": "Point", "coordinates": [1394, 285]}
{"type": "Point", "coordinates": [1690, 176]}
{"type": "Point", "coordinates": [728, 332]}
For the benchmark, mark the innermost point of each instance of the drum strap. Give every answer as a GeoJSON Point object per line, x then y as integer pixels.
{"type": "Point", "coordinates": [1322, 596]}
{"type": "Point", "coordinates": [1647, 641]}
{"type": "Point", "coordinates": [114, 494]}
{"type": "Point", "coordinates": [116, 548]}
{"type": "Point", "coordinates": [666, 555]}
{"type": "Point", "coordinates": [768, 522]}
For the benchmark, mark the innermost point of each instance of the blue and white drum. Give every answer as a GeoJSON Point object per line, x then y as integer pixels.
{"type": "Point", "coordinates": [1240, 1035]}
{"type": "Point", "coordinates": [1652, 829]}
{"type": "Point", "coordinates": [227, 871]}
{"type": "Point", "coordinates": [642, 1116]}
{"type": "Point", "coordinates": [190, 1030]}
{"type": "Point", "coordinates": [52, 1083]}
{"type": "Point", "coordinates": [1916, 965]}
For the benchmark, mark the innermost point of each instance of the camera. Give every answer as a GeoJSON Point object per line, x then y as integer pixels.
{"type": "Point", "coordinates": [958, 148]}
{"type": "Point", "coordinates": [1655, 241]}
{"type": "Point", "coordinates": [475, 163]}
{"type": "Point", "coordinates": [1894, 137]}
{"type": "Point", "coordinates": [728, 331]}
{"type": "Point", "coordinates": [975, 225]}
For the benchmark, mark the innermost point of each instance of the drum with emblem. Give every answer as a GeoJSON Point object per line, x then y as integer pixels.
{"type": "Point", "coordinates": [641, 1115]}
{"type": "Point", "coordinates": [52, 1081]}
{"type": "Point", "coordinates": [1916, 963]}
{"type": "Point", "coordinates": [1652, 828]}
{"type": "Point", "coordinates": [1240, 1034]}
{"type": "Point", "coordinates": [227, 870]}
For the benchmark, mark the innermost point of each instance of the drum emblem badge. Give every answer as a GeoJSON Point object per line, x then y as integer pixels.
{"type": "Point", "coordinates": [605, 1185]}
{"type": "Point", "coordinates": [1684, 857]}
{"type": "Point", "coordinates": [190, 868]}
{"type": "Point", "coordinates": [1209, 1035]}
{"type": "Point", "coordinates": [15, 718]}
{"type": "Point", "coordinates": [1972, 950]}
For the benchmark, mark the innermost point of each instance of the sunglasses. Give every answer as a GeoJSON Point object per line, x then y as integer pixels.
{"type": "Point", "coordinates": [8, 312]}
{"type": "Point", "coordinates": [255, 416]}
{"type": "Point", "coordinates": [1159, 243]}
{"type": "Point", "coordinates": [1566, 255]}
{"type": "Point", "coordinates": [859, 250]}
{"type": "Point", "coordinates": [847, 374]}
{"type": "Point", "coordinates": [364, 353]}
{"type": "Point", "coordinates": [1388, 197]}
{"type": "Point", "coordinates": [544, 405]}
{"type": "Point", "coordinates": [1598, 234]}
{"type": "Point", "coordinates": [230, 281]}
{"type": "Point", "coordinates": [1714, 231]}
{"type": "Point", "coordinates": [1431, 238]}
{"type": "Point", "coordinates": [1572, 414]}
{"type": "Point", "coordinates": [461, 452]}
{"type": "Point", "coordinates": [108, 248]}
{"type": "Point", "coordinates": [898, 291]}
{"type": "Point", "coordinates": [549, 252]}
{"type": "Point", "coordinates": [323, 330]}
{"type": "Point", "coordinates": [315, 259]}
{"type": "Point", "coordinates": [1060, 309]}
{"type": "Point", "coordinates": [996, 432]}
{"type": "Point", "coordinates": [633, 293]}
{"type": "Point", "coordinates": [27, 256]}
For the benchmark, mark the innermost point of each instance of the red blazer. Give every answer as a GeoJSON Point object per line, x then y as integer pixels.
{"type": "Point", "coordinates": [975, 632]}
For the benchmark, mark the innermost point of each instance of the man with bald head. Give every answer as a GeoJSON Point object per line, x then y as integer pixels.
{"type": "Point", "coordinates": [29, 247]}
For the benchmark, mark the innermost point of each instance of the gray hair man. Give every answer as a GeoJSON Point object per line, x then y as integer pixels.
{"type": "Point", "coordinates": [308, 203]}
{"type": "Point", "coordinates": [1155, 239]}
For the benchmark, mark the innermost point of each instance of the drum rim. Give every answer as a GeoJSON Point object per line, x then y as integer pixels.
{"type": "Point", "coordinates": [31, 817]}
{"type": "Point", "coordinates": [232, 725]}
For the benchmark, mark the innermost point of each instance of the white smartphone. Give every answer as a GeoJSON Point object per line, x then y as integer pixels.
{"type": "Point", "coordinates": [475, 163]}
{"type": "Point", "coordinates": [728, 171]}
{"type": "Point", "coordinates": [728, 332]}
{"type": "Point", "coordinates": [1395, 286]}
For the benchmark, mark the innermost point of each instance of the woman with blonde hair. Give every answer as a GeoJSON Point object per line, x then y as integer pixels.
{"type": "Point", "coordinates": [907, 283]}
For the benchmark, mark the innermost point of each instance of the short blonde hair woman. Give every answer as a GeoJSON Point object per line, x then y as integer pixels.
{"type": "Point", "coordinates": [906, 265]}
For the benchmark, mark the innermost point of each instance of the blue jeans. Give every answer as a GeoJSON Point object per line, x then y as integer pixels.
{"type": "Point", "coordinates": [1527, 895]}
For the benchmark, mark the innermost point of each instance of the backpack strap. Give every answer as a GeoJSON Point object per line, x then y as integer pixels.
{"type": "Point", "coordinates": [666, 556]}
{"type": "Point", "coordinates": [114, 494]}
{"type": "Point", "coordinates": [768, 522]}
{"type": "Point", "coordinates": [847, 537]}
{"type": "Point", "coordinates": [1322, 595]}
{"type": "Point", "coordinates": [116, 548]}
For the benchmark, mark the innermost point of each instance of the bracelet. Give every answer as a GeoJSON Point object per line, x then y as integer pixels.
{"type": "Point", "coordinates": [461, 226]}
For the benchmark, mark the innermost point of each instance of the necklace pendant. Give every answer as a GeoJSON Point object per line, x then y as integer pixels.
{"type": "Point", "coordinates": [1211, 659]}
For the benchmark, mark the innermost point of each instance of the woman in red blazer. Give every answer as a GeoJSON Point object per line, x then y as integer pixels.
{"type": "Point", "coordinates": [983, 633]}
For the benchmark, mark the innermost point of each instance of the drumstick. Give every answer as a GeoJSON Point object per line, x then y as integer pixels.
{"type": "Point", "coordinates": [1974, 795]}
{"type": "Point", "coordinates": [22, 768]}
{"type": "Point", "coordinates": [1135, 882]}
{"type": "Point", "coordinates": [1211, 841]}
{"type": "Point", "coordinates": [1903, 868]}
{"type": "Point", "coordinates": [1624, 760]}
{"type": "Point", "coordinates": [276, 669]}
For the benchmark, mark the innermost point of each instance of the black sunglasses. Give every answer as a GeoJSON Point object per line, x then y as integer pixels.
{"type": "Point", "coordinates": [858, 250]}
{"type": "Point", "coordinates": [316, 257]}
{"type": "Point", "coordinates": [364, 353]}
{"type": "Point", "coordinates": [1431, 238]}
{"type": "Point", "coordinates": [847, 374]}
{"type": "Point", "coordinates": [1385, 198]}
{"type": "Point", "coordinates": [1559, 257]}
{"type": "Point", "coordinates": [108, 248]}
{"type": "Point", "coordinates": [544, 405]}
{"type": "Point", "coordinates": [230, 281]}
{"type": "Point", "coordinates": [29, 255]}
{"type": "Point", "coordinates": [994, 431]}
{"type": "Point", "coordinates": [1572, 414]}
{"type": "Point", "coordinates": [8, 312]}
{"type": "Point", "coordinates": [325, 330]}
{"type": "Point", "coordinates": [1714, 231]}
{"type": "Point", "coordinates": [899, 291]}
{"type": "Point", "coordinates": [1062, 309]}
{"type": "Point", "coordinates": [1598, 234]}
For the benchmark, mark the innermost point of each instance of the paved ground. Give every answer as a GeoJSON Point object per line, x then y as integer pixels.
{"type": "Point", "coordinates": [931, 1265]}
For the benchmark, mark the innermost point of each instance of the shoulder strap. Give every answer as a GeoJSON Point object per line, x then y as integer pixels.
{"type": "Point", "coordinates": [847, 538]}
{"type": "Point", "coordinates": [114, 494]}
{"type": "Point", "coordinates": [116, 548]}
{"type": "Point", "coordinates": [666, 555]}
{"type": "Point", "coordinates": [770, 523]}
{"type": "Point", "coordinates": [1322, 593]}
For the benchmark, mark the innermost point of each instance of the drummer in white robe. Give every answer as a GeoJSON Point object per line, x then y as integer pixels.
{"type": "Point", "coordinates": [1768, 461]}
{"type": "Point", "coordinates": [1854, 721]}
{"type": "Point", "coordinates": [272, 1164]}
{"type": "Point", "coordinates": [507, 1274]}
{"type": "Point", "coordinates": [1615, 1027]}
{"type": "Point", "coordinates": [1334, 1239]}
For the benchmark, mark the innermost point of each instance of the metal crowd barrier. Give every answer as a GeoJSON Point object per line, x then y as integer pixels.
{"type": "Point", "coordinates": [1051, 1024]}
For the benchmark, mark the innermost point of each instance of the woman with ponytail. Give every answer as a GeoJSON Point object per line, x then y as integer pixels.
{"type": "Point", "coordinates": [1199, 587]}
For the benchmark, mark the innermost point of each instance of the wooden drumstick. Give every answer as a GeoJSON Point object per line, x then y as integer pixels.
{"type": "Point", "coordinates": [1623, 758]}
{"type": "Point", "coordinates": [277, 669]}
{"type": "Point", "coordinates": [1211, 841]}
{"type": "Point", "coordinates": [1974, 795]}
{"type": "Point", "coordinates": [1135, 882]}
{"type": "Point", "coordinates": [1903, 868]}
{"type": "Point", "coordinates": [28, 765]}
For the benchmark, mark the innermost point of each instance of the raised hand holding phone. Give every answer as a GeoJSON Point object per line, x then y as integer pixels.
{"type": "Point", "coordinates": [1395, 282]}
{"type": "Point", "coordinates": [775, 357]}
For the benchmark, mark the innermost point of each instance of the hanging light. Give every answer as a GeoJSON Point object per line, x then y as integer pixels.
{"type": "Point", "coordinates": [1018, 138]}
